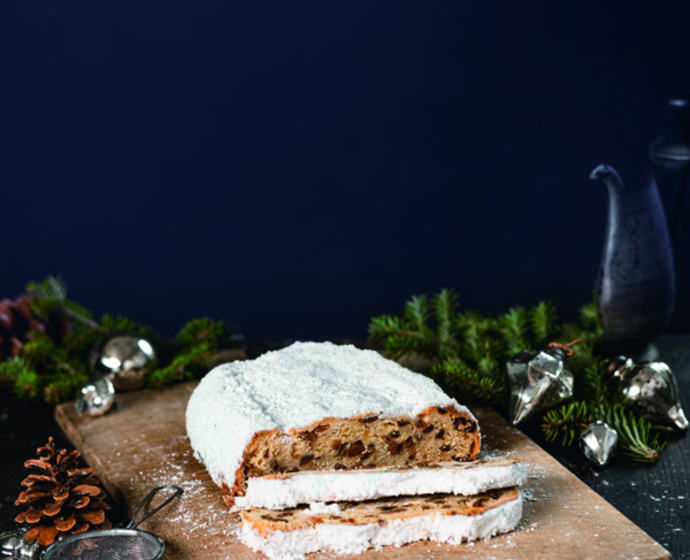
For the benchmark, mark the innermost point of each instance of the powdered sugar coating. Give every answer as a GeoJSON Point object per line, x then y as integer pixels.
{"type": "Point", "coordinates": [354, 539]}
{"type": "Point", "coordinates": [292, 388]}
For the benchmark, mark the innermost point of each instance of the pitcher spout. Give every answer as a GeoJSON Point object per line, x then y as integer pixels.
{"type": "Point", "coordinates": [609, 176]}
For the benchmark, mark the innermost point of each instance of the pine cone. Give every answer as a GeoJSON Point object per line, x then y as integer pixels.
{"type": "Point", "coordinates": [60, 497]}
{"type": "Point", "coordinates": [18, 319]}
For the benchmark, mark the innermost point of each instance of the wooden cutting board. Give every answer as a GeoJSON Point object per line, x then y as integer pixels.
{"type": "Point", "coordinates": [143, 444]}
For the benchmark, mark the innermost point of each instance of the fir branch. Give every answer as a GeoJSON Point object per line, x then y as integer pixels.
{"type": "Point", "coordinates": [11, 369]}
{"type": "Point", "coordinates": [27, 385]}
{"type": "Point", "coordinates": [593, 385]}
{"type": "Point", "coordinates": [82, 341]}
{"type": "Point", "coordinates": [634, 435]}
{"type": "Point", "coordinates": [398, 337]}
{"type": "Point", "coordinates": [51, 294]}
{"type": "Point", "coordinates": [566, 422]}
{"type": "Point", "coordinates": [202, 330]}
{"type": "Point", "coordinates": [589, 316]}
{"type": "Point", "coordinates": [444, 310]}
{"type": "Point", "coordinates": [111, 322]}
{"type": "Point", "coordinates": [40, 352]}
{"type": "Point", "coordinates": [52, 288]}
{"type": "Point", "coordinates": [474, 345]}
{"type": "Point", "coordinates": [417, 312]}
{"type": "Point", "coordinates": [514, 325]}
{"type": "Point", "coordinates": [542, 318]}
{"type": "Point", "coordinates": [63, 388]}
{"type": "Point", "coordinates": [490, 368]}
{"type": "Point", "coordinates": [80, 313]}
{"type": "Point", "coordinates": [25, 381]}
{"type": "Point", "coordinates": [185, 367]}
{"type": "Point", "coordinates": [456, 373]}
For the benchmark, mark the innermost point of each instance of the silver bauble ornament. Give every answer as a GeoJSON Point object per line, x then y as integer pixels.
{"type": "Point", "coordinates": [96, 397]}
{"type": "Point", "coordinates": [538, 379]}
{"type": "Point", "coordinates": [598, 442]}
{"type": "Point", "coordinates": [13, 546]}
{"type": "Point", "coordinates": [126, 359]}
{"type": "Point", "coordinates": [651, 388]}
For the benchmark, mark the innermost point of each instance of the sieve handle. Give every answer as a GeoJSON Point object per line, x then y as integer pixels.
{"type": "Point", "coordinates": [177, 491]}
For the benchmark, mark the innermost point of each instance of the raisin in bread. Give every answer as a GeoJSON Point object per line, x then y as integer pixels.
{"type": "Point", "coordinates": [319, 406]}
{"type": "Point", "coordinates": [353, 527]}
{"type": "Point", "coordinates": [289, 490]}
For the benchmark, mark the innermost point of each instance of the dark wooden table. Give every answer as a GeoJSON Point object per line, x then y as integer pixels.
{"type": "Point", "coordinates": [655, 497]}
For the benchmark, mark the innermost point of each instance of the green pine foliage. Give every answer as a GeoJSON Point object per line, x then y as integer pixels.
{"type": "Point", "coordinates": [566, 422]}
{"type": "Point", "coordinates": [187, 365]}
{"type": "Point", "coordinates": [112, 323]}
{"type": "Point", "coordinates": [202, 330]}
{"type": "Point", "coordinates": [468, 354]}
{"type": "Point", "coordinates": [195, 345]}
{"type": "Point", "coordinates": [52, 369]}
{"type": "Point", "coordinates": [635, 435]}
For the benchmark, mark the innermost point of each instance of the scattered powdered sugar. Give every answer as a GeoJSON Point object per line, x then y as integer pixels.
{"type": "Point", "coordinates": [199, 513]}
{"type": "Point", "coordinates": [295, 387]}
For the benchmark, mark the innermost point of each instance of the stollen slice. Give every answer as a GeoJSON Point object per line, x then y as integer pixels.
{"type": "Point", "coordinates": [353, 527]}
{"type": "Point", "coordinates": [306, 487]}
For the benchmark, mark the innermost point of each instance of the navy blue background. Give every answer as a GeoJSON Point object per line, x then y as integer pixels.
{"type": "Point", "coordinates": [297, 167]}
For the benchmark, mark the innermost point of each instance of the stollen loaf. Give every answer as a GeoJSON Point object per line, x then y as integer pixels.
{"type": "Point", "coordinates": [319, 407]}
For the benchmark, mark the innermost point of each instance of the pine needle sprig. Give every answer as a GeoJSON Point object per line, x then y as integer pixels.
{"type": "Point", "coordinates": [458, 375]}
{"type": "Point", "coordinates": [50, 296]}
{"type": "Point", "coordinates": [445, 304]}
{"type": "Point", "coordinates": [474, 344]}
{"type": "Point", "coordinates": [53, 288]}
{"type": "Point", "coordinates": [395, 334]}
{"type": "Point", "coordinates": [589, 317]}
{"type": "Point", "coordinates": [566, 422]}
{"type": "Point", "coordinates": [202, 330]}
{"type": "Point", "coordinates": [110, 322]}
{"type": "Point", "coordinates": [542, 318]}
{"type": "Point", "coordinates": [634, 435]}
{"type": "Point", "coordinates": [184, 367]}
{"type": "Point", "coordinates": [22, 377]}
{"type": "Point", "coordinates": [411, 333]}
{"type": "Point", "coordinates": [593, 386]}
{"type": "Point", "coordinates": [417, 313]}
{"type": "Point", "coordinates": [514, 325]}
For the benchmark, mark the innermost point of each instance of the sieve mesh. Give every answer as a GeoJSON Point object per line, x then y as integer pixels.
{"type": "Point", "coordinates": [116, 545]}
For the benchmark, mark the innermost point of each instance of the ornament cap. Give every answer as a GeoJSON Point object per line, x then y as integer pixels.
{"type": "Point", "coordinates": [677, 416]}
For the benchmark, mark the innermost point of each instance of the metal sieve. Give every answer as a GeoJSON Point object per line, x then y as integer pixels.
{"type": "Point", "coordinates": [129, 543]}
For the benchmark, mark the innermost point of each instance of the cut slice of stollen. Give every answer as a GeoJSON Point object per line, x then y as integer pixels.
{"type": "Point", "coordinates": [353, 527]}
{"type": "Point", "coordinates": [306, 487]}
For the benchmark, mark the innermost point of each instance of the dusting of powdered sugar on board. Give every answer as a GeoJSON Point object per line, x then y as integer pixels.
{"type": "Point", "coordinates": [293, 388]}
{"type": "Point", "coordinates": [199, 515]}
